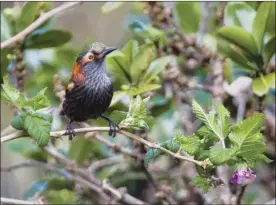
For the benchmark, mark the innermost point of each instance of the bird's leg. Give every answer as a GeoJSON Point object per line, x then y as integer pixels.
{"type": "Point", "coordinates": [70, 131]}
{"type": "Point", "coordinates": [112, 125]}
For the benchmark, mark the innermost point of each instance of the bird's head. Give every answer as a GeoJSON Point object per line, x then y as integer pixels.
{"type": "Point", "coordinates": [91, 60]}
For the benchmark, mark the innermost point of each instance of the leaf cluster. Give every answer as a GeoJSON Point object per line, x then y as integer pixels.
{"type": "Point", "coordinates": [31, 118]}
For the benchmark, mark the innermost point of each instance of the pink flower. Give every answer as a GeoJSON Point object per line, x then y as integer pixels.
{"type": "Point", "coordinates": [243, 177]}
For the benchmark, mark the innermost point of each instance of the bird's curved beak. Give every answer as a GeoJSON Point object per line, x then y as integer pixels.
{"type": "Point", "coordinates": [108, 50]}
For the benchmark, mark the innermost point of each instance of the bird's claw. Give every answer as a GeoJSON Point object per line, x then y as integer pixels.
{"type": "Point", "coordinates": [113, 127]}
{"type": "Point", "coordinates": [70, 131]}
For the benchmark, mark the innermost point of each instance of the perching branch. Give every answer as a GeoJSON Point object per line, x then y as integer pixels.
{"type": "Point", "coordinates": [43, 18]}
{"type": "Point", "coordinates": [14, 201]}
{"type": "Point", "coordinates": [61, 133]}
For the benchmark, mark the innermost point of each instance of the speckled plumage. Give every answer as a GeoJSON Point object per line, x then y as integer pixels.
{"type": "Point", "coordinates": [90, 90]}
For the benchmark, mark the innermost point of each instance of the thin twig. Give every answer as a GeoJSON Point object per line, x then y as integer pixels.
{"type": "Point", "coordinates": [43, 18]}
{"type": "Point", "coordinates": [103, 163]}
{"type": "Point", "coordinates": [15, 201]}
{"type": "Point", "coordinates": [241, 194]}
{"type": "Point", "coordinates": [33, 163]}
{"type": "Point", "coordinates": [58, 134]}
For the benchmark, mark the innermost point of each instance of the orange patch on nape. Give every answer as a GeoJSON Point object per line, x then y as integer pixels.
{"type": "Point", "coordinates": [77, 73]}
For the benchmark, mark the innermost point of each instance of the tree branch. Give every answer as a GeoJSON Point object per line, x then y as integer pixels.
{"type": "Point", "coordinates": [43, 18]}
{"type": "Point", "coordinates": [58, 134]}
{"type": "Point", "coordinates": [15, 201]}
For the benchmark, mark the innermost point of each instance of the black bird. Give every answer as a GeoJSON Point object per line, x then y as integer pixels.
{"type": "Point", "coordinates": [89, 91]}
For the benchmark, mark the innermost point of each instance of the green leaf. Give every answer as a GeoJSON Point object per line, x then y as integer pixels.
{"type": "Point", "coordinates": [118, 116]}
{"type": "Point", "coordinates": [209, 120]}
{"type": "Point", "coordinates": [38, 126]}
{"type": "Point", "coordinates": [142, 61]}
{"type": "Point", "coordinates": [118, 63]}
{"type": "Point", "coordinates": [207, 133]}
{"type": "Point", "coordinates": [10, 94]}
{"type": "Point", "coordinates": [17, 122]}
{"type": "Point", "coordinates": [202, 183]}
{"type": "Point", "coordinates": [235, 53]}
{"type": "Point", "coordinates": [155, 68]}
{"type": "Point", "coordinates": [110, 6]}
{"type": "Point", "coordinates": [220, 156]}
{"type": "Point", "coordinates": [152, 153]}
{"type": "Point", "coordinates": [37, 102]}
{"type": "Point", "coordinates": [239, 14]}
{"type": "Point", "coordinates": [189, 15]}
{"type": "Point", "coordinates": [271, 19]}
{"type": "Point", "coordinates": [82, 149]}
{"type": "Point", "coordinates": [224, 117]}
{"type": "Point", "coordinates": [5, 28]}
{"type": "Point", "coordinates": [130, 50]}
{"type": "Point", "coordinates": [245, 128]}
{"type": "Point", "coordinates": [269, 50]}
{"type": "Point", "coordinates": [239, 37]}
{"type": "Point", "coordinates": [137, 117]}
{"type": "Point", "coordinates": [63, 196]}
{"type": "Point", "coordinates": [262, 84]}
{"type": "Point", "coordinates": [48, 39]}
{"type": "Point", "coordinates": [260, 23]}
{"type": "Point", "coordinates": [247, 137]}
{"type": "Point", "coordinates": [28, 14]}
{"type": "Point", "coordinates": [190, 144]}
{"type": "Point", "coordinates": [142, 89]}
{"type": "Point", "coordinates": [265, 158]}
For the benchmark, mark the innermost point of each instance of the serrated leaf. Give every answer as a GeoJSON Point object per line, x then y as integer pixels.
{"type": "Point", "coordinates": [38, 126]}
{"type": "Point", "coordinates": [239, 14]}
{"type": "Point", "coordinates": [209, 120]}
{"type": "Point", "coordinates": [137, 117]}
{"type": "Point", "coordinates": [189, 15]}
{"type": "Point", "coordinates": [10, 94]}
{"type": "Point", "coordinates": [37, 102]}
{"type": "Point", "coordinates": [28, 14]}
{"type": "Point", "coordinates": [260, 23]}
{"type": "Point", "coordinates": [269, 50]}
{"type": "Point", "coordinates": [247, 137]}
{"type": "Point", "coordinates": [224, 117]}
{"type": "Point", "coordinates": [265, 158]}
{"type": "Point", "coordinates": [202, 183]}
{"type": "Point", "coordinates": [239, 37]}
{"type": "Point", "coordinates": [206, 133]}
{"type": "Point", "coordinates": [110, 6]}
{"type": "Point", "coordinates": [151, 154]}
{"type": "Point", "coordinates": [142, 89]}
{"type": "Point", "coordinates": [142, 61]}
{"type": "Point", "coordinates": [48, 39]}
{"type": "Point", "coordinates": [262, 84]}
{"type": "Point", "coordinates": [245, 128]}
{"type": "Point", "coordinates": [220, 156]}
{"type": "Point", "coordinates": [155, 68]}
{"type": "Point", "coordinates": [190, 144]}
{"type": "Point", "coordinates": [252, 146]}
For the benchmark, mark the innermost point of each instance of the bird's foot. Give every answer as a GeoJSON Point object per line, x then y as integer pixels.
{"type": "Point", "coordinates": [70, 131]}
{"type": "Point", "coordinates": [113, 128]}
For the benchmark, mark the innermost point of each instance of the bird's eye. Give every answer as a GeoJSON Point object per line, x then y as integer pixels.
{"type": "Point", "coordinates": [91, 57]}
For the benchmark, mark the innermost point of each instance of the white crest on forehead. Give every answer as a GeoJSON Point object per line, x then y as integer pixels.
{"type": "Point", "coordinates": [97, 47]}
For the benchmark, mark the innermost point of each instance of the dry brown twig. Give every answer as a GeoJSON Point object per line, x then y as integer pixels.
{"type": "Point", "coordinates": [43, 18]}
